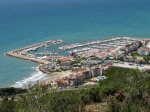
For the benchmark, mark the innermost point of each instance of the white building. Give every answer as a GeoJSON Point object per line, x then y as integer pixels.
{"type": "Point", "coordinates": [143, 51]}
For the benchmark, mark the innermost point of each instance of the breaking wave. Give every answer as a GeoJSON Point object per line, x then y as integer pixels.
{"type": "Point", "coordinates": [32, 79]}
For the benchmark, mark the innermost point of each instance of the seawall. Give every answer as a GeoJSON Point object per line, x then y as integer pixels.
{"type": "Point", "coordinates": [24, 57]}
{"type": "Point", "coordinates": [17, 53]}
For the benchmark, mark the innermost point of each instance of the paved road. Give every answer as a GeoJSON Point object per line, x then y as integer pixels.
{"type": "Point", "coordinates": [126, 65]}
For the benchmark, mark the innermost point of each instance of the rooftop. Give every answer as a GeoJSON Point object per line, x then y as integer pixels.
{"type": "Point", "coordinates": [144, 49]}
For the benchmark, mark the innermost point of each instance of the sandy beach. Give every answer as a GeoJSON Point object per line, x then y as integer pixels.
{"type": "Point", "coordinates": [55, 75]}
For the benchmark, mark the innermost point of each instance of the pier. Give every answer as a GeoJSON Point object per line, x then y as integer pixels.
{"type": "Point", "coordinates": [47, 53]}
{"type": "Point", "coordinates": [117, 40]}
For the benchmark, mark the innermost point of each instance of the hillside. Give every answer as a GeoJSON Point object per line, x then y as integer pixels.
{"type": "Point", "coordinates": [125, 90]}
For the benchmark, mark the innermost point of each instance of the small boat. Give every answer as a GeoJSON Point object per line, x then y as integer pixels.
{"type": "Point", "coordinates": [34, 49]}
{"type": "Point", "coordinates": [46, 46]}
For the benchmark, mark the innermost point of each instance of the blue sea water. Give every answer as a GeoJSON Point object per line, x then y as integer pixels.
{"type": "Point", "coordinates": [25, 22]}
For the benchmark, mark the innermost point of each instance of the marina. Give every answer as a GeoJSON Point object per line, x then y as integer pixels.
{"type": "Point", "coordinates": [23, 53]}
{"type": "Point", "coordinates": [104, 48]}
{"type": "Point", "coordinates": [103, 42]}
{"type": "Point", "coordinates": [101, 48]}
{"type": "Point", "coordinates": [47, 53]}
{"type": "Point", "coordinates": [94, 57]}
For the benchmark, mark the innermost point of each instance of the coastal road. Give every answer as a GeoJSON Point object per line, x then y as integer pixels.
{"type": "Point", "coordinates": [134, 66]}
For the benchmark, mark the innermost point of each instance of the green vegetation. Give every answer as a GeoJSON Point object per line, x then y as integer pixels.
{"type": "Point", "coordinates": [95, 58]}
{"type": "Point", "coordinates": [47, 71]}
{"type": "Point", "coordinates": [135, 54]}
{"type": "Point", "coordinates": [88, 80]}
{"type": "Point", "coordinates": [52, 71]}
{"type": "Point", "coordinates": [125, 90]}
{"type": "Point", "coordinates": [78, 60]}
{"type": "Point", "coordinates": [128, 45]}
{"type": "Point", "coordinates": [115, 59]}
{"type": "Point", "coordinates": [11, 91]}
{"type": "Point", "coordinates": [146, 58]}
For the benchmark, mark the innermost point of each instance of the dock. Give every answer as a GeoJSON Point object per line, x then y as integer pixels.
{"type": "Point", "coordinates": [97, 42]}
{"type": "Point", "coordinates": [102, 48]}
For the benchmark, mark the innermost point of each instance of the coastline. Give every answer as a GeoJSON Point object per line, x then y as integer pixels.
{"type": "Point", "coordinates": [54, 75]}
{"type": "Point", "coordinates": [42, 70]}
{"type": "Point", "coordinates": [37, 76]}
{"type": "Point", "coordinates": [23, 53]}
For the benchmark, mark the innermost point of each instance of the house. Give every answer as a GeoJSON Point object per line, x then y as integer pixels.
{"type": "Point", "coordinates": [73, 81]}
{"type": "Point", "coordinates": [76, 79]}
{"type": "Point", "coordinates": [129, 59]}
{"type": "Point", "coordinates": [79, 77]}
{"type": "Point", "coordinates": [95, 71]}
{"type": "Point", "coordinates": [146, 43]}
{"type": "Point", "coordinates": [66, 61]}
{"type": "Point", "coordinates": [139, 59]}
{"type": "Point", "coordinates": [143, 51]}
{"type": "Point", "coordinates": [86, 73]}
{"type": "Point", "coordinates": [107, 66]}
{"type": "Point", "coordinates": [61, 82]}
{"type": "Point", "coordinates": [103, 68]}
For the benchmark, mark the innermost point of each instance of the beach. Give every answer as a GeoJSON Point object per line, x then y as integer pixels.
{"type": "Point", "coordinates": [56, 75]}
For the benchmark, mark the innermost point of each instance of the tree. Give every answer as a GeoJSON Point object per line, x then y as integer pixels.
{"type": "Point", "coordinates": [7, 106]}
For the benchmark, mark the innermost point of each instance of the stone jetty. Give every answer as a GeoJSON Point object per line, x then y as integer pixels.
{"type": "Point", "coordinates": [22, 53]}
{"type": "Point", "coordinates": [24, 57]}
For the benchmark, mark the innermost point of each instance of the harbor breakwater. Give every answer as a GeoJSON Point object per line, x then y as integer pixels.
{"type": "Point", "coordinates": [12, 54]}
{"type": "Point", "coordinates": [22, 53]}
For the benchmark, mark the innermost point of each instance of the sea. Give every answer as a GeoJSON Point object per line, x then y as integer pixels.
{"type": "Point", "coordinates": [25, 22]}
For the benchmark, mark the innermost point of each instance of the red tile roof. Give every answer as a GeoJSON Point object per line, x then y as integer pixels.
{"type": "Point", "coordinates": [63, 81]}
{"type": "Point", "coordinates": [84, 71]}
{"type": "Point", "coordinates": [58, 80]}
{"type": "Point", "coordinates": [144, 49]}
{"type": "Point", "coordinates": [79, 74]}
{"type": "Point", "coordinates": [66, 58]}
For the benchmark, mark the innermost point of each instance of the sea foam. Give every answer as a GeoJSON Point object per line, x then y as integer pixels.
{"type": "Point", "coordinates": [32, 79]}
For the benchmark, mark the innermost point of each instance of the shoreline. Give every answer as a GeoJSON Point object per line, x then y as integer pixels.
{"type": "Point", "coordinates": [23, 53]}
{"type": "Point", "coordinates": [42, 70]}
{"type": "Point", "coordinates": [54, 75]}
{"type": "Point", "coordinates": [46, 78]}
